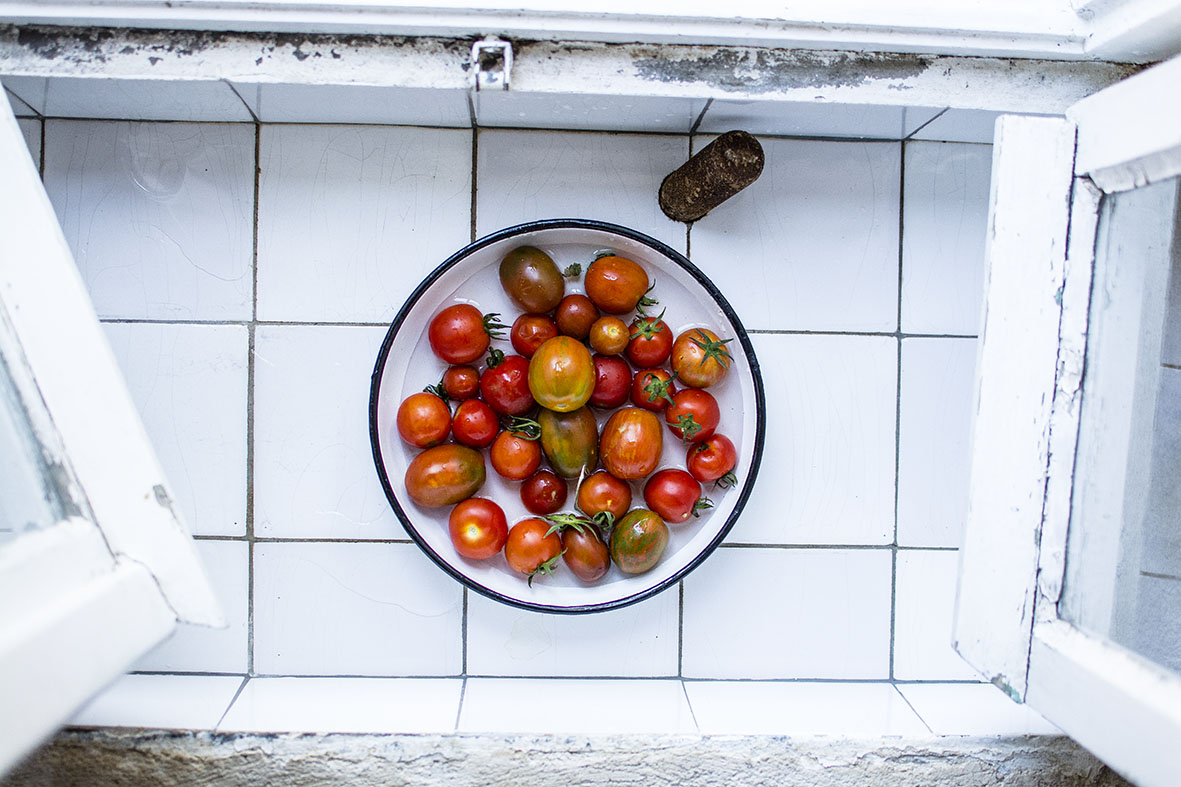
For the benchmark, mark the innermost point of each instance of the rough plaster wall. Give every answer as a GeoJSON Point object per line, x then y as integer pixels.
{"type": "Point", "coordinates": [133, 758]}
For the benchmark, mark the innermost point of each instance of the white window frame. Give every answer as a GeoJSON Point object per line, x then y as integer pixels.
{"type": "Point", "coordinates": [80, 599]}
{"type": "Point", "coordinates": [1048, 178]}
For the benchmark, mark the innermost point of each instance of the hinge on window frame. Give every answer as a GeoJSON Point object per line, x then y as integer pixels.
{"type": "Point", "coordinates": [492, 61]}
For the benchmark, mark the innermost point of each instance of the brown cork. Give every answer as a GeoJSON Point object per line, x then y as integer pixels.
{"type": "Point", "coordinates": [720, 170]}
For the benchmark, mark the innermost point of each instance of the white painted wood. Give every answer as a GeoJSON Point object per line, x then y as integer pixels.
{"type": "Point", "coordinates": [1134, 31]}
{"type": "Point", "coordinates": [1026, 256]}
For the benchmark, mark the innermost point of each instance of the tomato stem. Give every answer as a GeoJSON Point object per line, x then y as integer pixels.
{"type": "Point", "coordinates": [727, 481]}
{"type": "Point", "coordinates": [495, 358]}
{"type": "Point", "coordinates": [716, 350]}
{"type": "Point", "coordinates": [525, 428]}
{"type": "Point", "coordinates": [688, 426]}
{"type": "Point", "coordinates": [702, 504]}
{"type": "Point", "coordinates": [546, 568]}
{"type": "Point", "coordinates": [645, 301]}
{"type": "Point", "coordinates": [493, 326]}
{"type": "Point", "coordinates": [656, 388]}
{"type": "Point", "coordinates": [438, 390]}
{"type": "Point", "coordinates": [647, 327]}
{"type": "Point", "coordinates": [573, 270]}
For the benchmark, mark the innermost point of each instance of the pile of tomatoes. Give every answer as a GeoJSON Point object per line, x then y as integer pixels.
{"type": "Point", "coordinates": [573, 352]}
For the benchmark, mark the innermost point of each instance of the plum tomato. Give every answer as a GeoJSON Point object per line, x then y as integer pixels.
{"type": "Point", "coordinates": [531, 548]}
{"type": "Point", "coordinates": [461, 382]}
{"type": "Point", "coordinates": [700, 358]}
{"type": "Point", "coordinates": [615, 284]}
{"type": "Point", "coordinates": [504, 385]}
{"type": "Point", "coordinates": [601, 493]}
{"type": "Point", "coordinates": [570, 441]}
{"type": "Point", "coordinates": [693, 416]}
{"type": "Point", "coordinates": [631, 443]}
{"type": "Point", "coordinates": [653, 389]}
{"type": "Point", "coordinates": [514, 457]}
{"type": "Point", "coordinates": [650, 342]}
{"type": "Point", "coordinates": [675, 495]}
{"type": "Point", "coordinates": [575, 315]}
{"type": "Point", "coordinates": [613, 380]}
{"type": "Point", "coordinates": [562, 374]}
{"type": "Point", "coordinates": [530, 331]}
{"type": "Point", "coordinates": [543, 493]}
{"type": "Point", "coordinates": [584, 553]}
{"type": "Point", "coordinates": [475, 424]}
{"type": "Point", "coordinates": [638, 541]}
{"type": "Point", "coordinates": [711, 459]}
{"type": "Point", "coordinates": [478, 528]}
{"type": "Point", "coordinates": [444, 475]}
{"type": "Point", "coordinates": [460, 334]}
{"type": "Point", "coordinates": [608, 335]}
{"type": "Point", "coordinates": [532, 280]}
{"type": "Point", "coordinates": [423, 420]}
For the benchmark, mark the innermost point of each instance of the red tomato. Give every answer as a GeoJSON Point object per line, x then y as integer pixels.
{"type": "Point", "coordinates": [478, 528]}
{"type": "Point", "coordinates": [651, 342]}
{"type": "Point", "coordinates": [609, 336]}
{"type": "Point", "coordinates": [631, 442]}
{"type": "Point", "coordinates": [444, 475]}
{"type": "Point", "coordinates": [562, 374]}
{"type": "Point", "coordinates": [612, 381]}
{"type": "Point", "coordinates": [530, 550]}
{"type": "Point", "coordinates": [461, 382]}
{"type": "Point", "coordinates": [424, 420]}
{"type": "Point", "coordinates": [505, 386]}
{"type": "Point", "coordinates": [530, 331]}
{"type": "Point", "coordinates": [602, 492]}
{"type": "Point", "coordinates": [653, 389]}
{"type": "Point", "coordinates": [638, 541]}
{"type": "Point", "coordinates": [515, 457]}
{"type": "Point", "coordinates": [585, 555]}
{"type": "Point", "coordinates": [575, 315]}
{"type": "Point", "coordinates": [699, 358]}
{"type": "Point", "coordinates": [475, 424]}
{"type": "Point", "coordinates": [615, 284]}
{"type": "Point", "coordinates": [712, 458]}
{"type": "Point", "coordinates": [675, 495]}
{"type": "Point", "coordinates": [693, 416]}
{"type": "Point", "coordinates": [460, 334]}
{"type": "Point", "coordinates": [544, 493]}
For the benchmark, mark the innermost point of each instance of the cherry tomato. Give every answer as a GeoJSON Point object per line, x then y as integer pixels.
{"type": "Point", "coordinates": [478, 528]}
{"type": "Point", "coordinates": [653, 389]}
{"type": "Point", "coordinates": [529, 549]}
{"type": "Point", "coordinates": [711, 458]}
{"type": "Point", "coordinates": [530, 331]}
{"type": "Point", "coordinates": [602, 492]}
{"type": "Point", "coordinates": [461, 382]}
{"type": "Point", "coordinates": [562, 374]}
{"type": "Point", "coordinates": [475, 424]}
{"type": "Point", "coordinates": [609, 336]}
{"type": "Point", "coordinates": [699, 358]}
{"type": "Point", "coordinates": [460, 334]}
{"type": "Point", "coordinates": [631, 442]}
{"type": "Point", "coordinates": [424, 420]}
{"type": "Point", "coordinates": [675, 495]}
{"type": "Point", "coordinates": [587, 556]}
{"type": "Point", "coordinates": [575, 315]}
{"type": "Point", "coordinates": [514, 457]}
{"type": "Point", "coordinates": [693, 416]}
{"type": "Point", "coordinates": [613, 380]}
{"type": "Point", "coordinates": [505, 386]}
{"type": "Point", "coordinates": [638, 541]}
{"type": "Point", "coordinates": [570, 441]}
{"type": "Point", "coordinates": [544, 493]}
{"type": "Point", "coordinates": [444, 475]}
{"type": "Point", "coordinates": [650, 343]}
{"type": "Point", "coordinates": [532, 280]}
{"type": "Point", "coordinates": [615, 284]}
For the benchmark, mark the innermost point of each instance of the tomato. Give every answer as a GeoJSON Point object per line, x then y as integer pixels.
{"type": "Point", "coordinates": [531, 279]}
{"type": "Point", "coordinates": [631, 443]}
{"type": "Point", "coordinates": [444, 475]}
{"type": "Point", "coordinates": [562, 374]}
{"type": "Point", "coordinates": [570, 441]}
{"type": "Point", "coordinates": [544, 493]}
{"type": "Point", "coordinates": [475, 424]}
{"type": "Point", "coordinates": [712, 458]}
{"type": "Point", "coordinates": [693, 416]}
{"type": "Point", "coordinates": [638, 541]}
{"type": "Point", "coordinates": [530, 331]}
{"type": "Point", "coordinates": [478, 528]}
{"type": "Point", "coordinates": [699, 358]}
{"type": "Point", "coordinates": [514, 457]}
{"type": "Point", "coordinates": [575, 316]}
{"type": "Point", "coordinates": [460, 334]}
{"type": "Point", "coordinates": [650, 343]}
{"type": "Point", "coordinates": [609, 336]}
{"type": "Point", "coordinates": [423, 420]}
{"type": "Point", "coordinates": [505, 386]}
{"type": "Point", "coordinates": [461, 382]}
{"type": "Point", "coordinates": [612, 382]}
{"type": "Point", "coordinates": [602, 492]}
{"type": "Point", "coordinates": [653, 389]}
{"type": "Point", "coordinates": [615, 284]}
{"type": "Point", "coordinates": [586, 555]}
{"type": "Point", "coordinates": [675, 495]}
{"type": "Point", "coordinates": [529, 549]}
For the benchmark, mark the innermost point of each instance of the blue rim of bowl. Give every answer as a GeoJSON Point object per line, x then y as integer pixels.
{"type": "Point", "coordinates": [587, 224]}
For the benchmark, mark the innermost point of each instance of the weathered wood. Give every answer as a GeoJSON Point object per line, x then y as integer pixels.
{"type": "Point", "coordinates": [713, 175]}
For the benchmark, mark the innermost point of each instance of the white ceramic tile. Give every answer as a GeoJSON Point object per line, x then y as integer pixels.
{"type": "Point", "coordinates": [827, 473]}
{"type": "Point", "coordinates": [935, 434]}
{"type": "Point", "coordinates": [349, 705]}
{"type": "Point", "coordinates": [944, 219]}
{"type": "Point", "coordinates": [351, 218]}
{"type": "Point", "coordinates": [867, 710]}
{"type": "Point", "coordinates": [586, 112]}
{"type": "Point", "coordinates": [158, 215]}
{"type": "Point", "coordinates": [130, 99]}
{"type": "Point", "coordinates": [31, 128]}
{"type": "Point", "coordinates": [529, 175]}
{"type": "Point", "coordinates": [186, 702]}
{"type": "Point", "coordinates": [978, 709]}
{"type": "Point", "coordinates": [199, 648]}
{"type": "Point", "coordinates": [1158, 620]}
{"type": "Point", "coordinates": [189, 383]}
{"type": "Point", "coordinates": [400, 106]}
{"type": "Point", "coordinates": [1171, 340]}
{"type": "Point", "coordinates": [788, 613]}
{"type": "Point", "coordinates": [813, 243]}
{"type": "Point", "coordinates": [963, 125]}
{"type": "Point", "coordinates": [636, 641]}
{"type": "Point", "coordinates": [562, 707]}
{"type": "Point", "coordinates": [354, 609]}
{"type": "Point", "coordinates": [313, 465]}
{"type": "Point", "coordinates": [19, 107]}
{"type": "Point", "coordinates": [1161, 529]}
{"type": "Point", "coordinates": [924, 604]}
{"type": "Point", "coordinates": [814, 119]}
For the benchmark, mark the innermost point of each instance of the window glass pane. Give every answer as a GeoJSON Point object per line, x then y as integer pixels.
{"type": "Point", "coordinates": [28, 496]}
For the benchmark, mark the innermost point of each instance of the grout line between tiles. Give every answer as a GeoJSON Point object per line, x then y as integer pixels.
{"type": "Point", "coordinates": [463, 638]}
{"type": "Point", "coordinates": [226, 712]}
{"type": "Point", "coordinates": [697, 123]}
{"type": "Point", "coordinates": [681, 628]}
{"type": "Point", "coordinates": [689, 703]}
{"type": "Point", "coordinates": [938, 115]}
{"type": "Point", "coordinates": [490, 676]}
{"type": "Point", "coordinates": [897, 404]}
{"type": "Point", "coordinates": [251, 331]}
{"type": "Point", "coordinates": [475, 176]}
{"type": "Point", "coordinates": [879, 547]}
{"type": "Point", "coordinates": [230, 85]}
{"type": "Point", "coordinates": [459, 709]}
{"type": "Point", "coordinates": [405, 541]}
{"type": "Point", "coordinates": [887, 334]}
{"type": "Point", "coordinates": [1156, 575]}
{"type": "Point", "coordinates": [913, 709]}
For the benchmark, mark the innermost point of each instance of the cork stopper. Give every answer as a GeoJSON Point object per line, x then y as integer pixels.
{"type": "Point", "coordinates": [720, 170]}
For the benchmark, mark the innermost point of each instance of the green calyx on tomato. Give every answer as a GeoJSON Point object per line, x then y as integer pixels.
{"type": "Point", "coordinates": [688, 427]}
{"type": "Point", "coordinates": [603, 522]}
{"type": "Point", "coordinates": [646, 302]}
{"type": "Point", "coordinates": [525, 428]}
{"type": "Point", "coordinates": [495, 358]}
{"type": "Point", "coordinates": [438, 390]}
{"type": "Point", "coordinates": [493, 326]}
{"type": "Point", "coordinates": [572, 271]}
{"type": "Point", "coordinates": [657, 388]}
{"type": "Point", "coordinates": [546, 568]}
{"type": "Point", "coordinates": [727, 481]}
{"type": "Point", "coordinates": [646, 327]}
{"type": "Point", "coordinates": [702, 504]}
{"type": "Point", "coordinates": [715, 350]}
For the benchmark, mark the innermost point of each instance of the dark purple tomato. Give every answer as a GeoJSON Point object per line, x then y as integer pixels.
{"type": "Point", "coordinates": [613, 379]}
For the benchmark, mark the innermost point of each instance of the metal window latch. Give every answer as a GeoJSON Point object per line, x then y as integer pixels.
{"type": "Point", "coordinates": [492, 59]}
